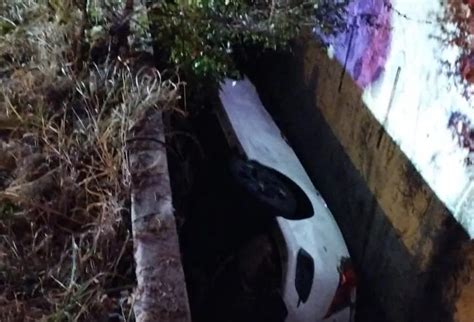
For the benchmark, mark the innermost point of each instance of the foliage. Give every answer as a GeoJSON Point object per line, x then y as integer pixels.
{"type": "Point", "coordinates": [201, 35]}
{"type": "Point", "coordinates": [65, 247]}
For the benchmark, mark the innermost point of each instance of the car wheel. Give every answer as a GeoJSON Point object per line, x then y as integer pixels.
{"type": "Point", "coordinates": [264, 186]}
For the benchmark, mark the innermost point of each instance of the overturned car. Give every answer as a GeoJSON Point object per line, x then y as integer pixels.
{"type": "Point", "coordinates": [318, 282]}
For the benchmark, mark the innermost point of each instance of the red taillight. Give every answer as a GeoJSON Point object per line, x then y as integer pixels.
{"type": "Point", "coordinates": [345, 293]}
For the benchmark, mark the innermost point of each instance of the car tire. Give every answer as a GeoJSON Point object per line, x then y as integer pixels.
{"type": "Point", "coordinates": [264, 187]}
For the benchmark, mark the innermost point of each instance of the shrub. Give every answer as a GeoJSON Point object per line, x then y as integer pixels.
{"type": "Point", "coordinates": [201, 35]}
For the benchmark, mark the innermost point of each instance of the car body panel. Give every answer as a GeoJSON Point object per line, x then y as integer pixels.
{"type": "Point", "coordinates": [258, 138]}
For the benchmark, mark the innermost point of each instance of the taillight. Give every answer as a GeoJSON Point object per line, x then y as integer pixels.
{"type": "Point", "coordinates": [345, 293]}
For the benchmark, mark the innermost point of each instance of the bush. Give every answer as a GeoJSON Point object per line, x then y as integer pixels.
{"type": "Point", "coordinates": [201, 35]}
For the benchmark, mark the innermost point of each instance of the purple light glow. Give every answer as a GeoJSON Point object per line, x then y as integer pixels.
{"type": "Point", "coordinates": [363, 47]}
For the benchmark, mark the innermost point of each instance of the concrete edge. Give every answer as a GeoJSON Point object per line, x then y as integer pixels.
{"type": "Point", "coordinates": [161, 293]}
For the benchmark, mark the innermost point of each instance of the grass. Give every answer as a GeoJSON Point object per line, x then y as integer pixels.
{"type": "Point", "coordinates": [70, 94]}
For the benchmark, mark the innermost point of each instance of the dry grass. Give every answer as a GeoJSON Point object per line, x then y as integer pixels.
{"type": "Point", "coordinates": [65, 247]}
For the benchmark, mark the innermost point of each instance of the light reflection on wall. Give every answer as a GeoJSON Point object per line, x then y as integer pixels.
{"type": "Point", "coordinates": [408, 58]}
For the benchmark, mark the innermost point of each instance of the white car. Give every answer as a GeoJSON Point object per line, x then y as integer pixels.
{"type": "Point", "coordinates": [318, 278]}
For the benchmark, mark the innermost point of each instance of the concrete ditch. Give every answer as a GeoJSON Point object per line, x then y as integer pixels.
{"type": "Point", "coordinates": [416, 262]}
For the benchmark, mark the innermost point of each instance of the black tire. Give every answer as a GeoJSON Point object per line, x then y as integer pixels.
{"type": "Point", "coordinates": [264, 186]}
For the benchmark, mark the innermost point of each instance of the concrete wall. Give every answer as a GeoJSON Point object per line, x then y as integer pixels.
{"type": "Point", "coordinates": [416, 263]}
